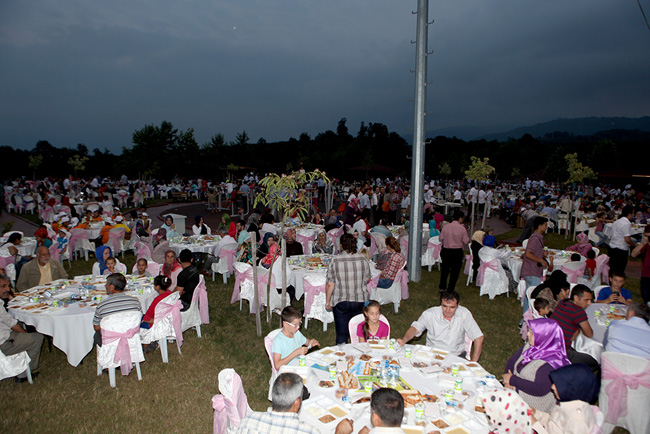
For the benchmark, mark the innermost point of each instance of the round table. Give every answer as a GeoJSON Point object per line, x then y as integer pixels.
{"type": "Point", "coordinates": [515, 261]}
{"type": "Point", "coordinates": [70, 324]}
{"type": "Point", "coordinates": [196, 243]}
{"type": "Point", "coordinates": [413, 382]}
{"type": "Point", "coordinates": [594, 345]}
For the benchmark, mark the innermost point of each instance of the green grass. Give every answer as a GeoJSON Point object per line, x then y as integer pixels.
{"type": "Point", "coordinates": [176, 397]}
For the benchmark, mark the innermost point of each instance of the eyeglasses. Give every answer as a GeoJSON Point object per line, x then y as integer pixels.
{"type": "Point", "coordinates": [293, 325]}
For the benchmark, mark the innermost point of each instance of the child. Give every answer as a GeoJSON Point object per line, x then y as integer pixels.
{"type": "Point", "coordinates": [161, 284]}
{"type": "Point", "coordinates": [615, 293]}
{"type": "Point", "coordinates": [575, 257]}
{"type": "Point", "coordinates": [541, 308]}
{"type": "Point", "coordinates": [141, 270]}
{"type": "Point", "coordinates": [110, 266]}
{"type": "Point", "coordinates": [290, 343]}
{"type": "Point", "coordinates": [372, 327]}
{"type": "Point", "coordinates": [63, 241]}
{"type": "Point", "coordinates": [590, 264]}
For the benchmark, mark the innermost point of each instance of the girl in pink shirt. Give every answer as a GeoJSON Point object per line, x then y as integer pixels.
{"type": "Point", "coordinates": [372, 327]}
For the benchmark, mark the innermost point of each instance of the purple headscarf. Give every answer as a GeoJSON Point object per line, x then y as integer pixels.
{"type": "Point", "coordinates": [548, 344]}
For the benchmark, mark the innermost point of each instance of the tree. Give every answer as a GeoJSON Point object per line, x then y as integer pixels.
{"type": "Point", "coordinates": [34, 163]}
{"type": "Point", "coordinates": [577, 172]}
{"type": "Point", "coordinates": [479, 170]}
{"type": "Point", "coordinates": [77, 163]}
{"type": "Point", "coordinates": [445, 170]}
{"type": "Point", "coordinates": [241, 138]}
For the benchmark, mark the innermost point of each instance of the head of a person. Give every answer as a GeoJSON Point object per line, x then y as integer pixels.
{"type": "Point", "coordinates": [41, 233]}
{"type": "Point", "coordinates": [161, 283]}
{"type": "Point", "coordinates": [575, 257]}
{"type": "Point", "coordinates": [489, 241]}
{"type": "Point", "coordinates": [386, 408]}
{"type": "Point", "coordinates": [291, 319]}
{"type": "Point", "coordinates": [349, 243]}
{"type": "Point", "coordinates": [119, 219]}
{"type": "Point", "coordinates": [393, 244]}
{"type": "Point", "coordinates": [106, 253]}
{"type": "Point", "coordinates": [627, 211]}
{"type": "Point", "coordinates": [540, 224]}
{"type": "Point", "coordinates": [372, 311]}
{"type": "Point", "coordinates": [5, 287]}
{"type": "Point", "coordinates": [546, 340]}
{"type": "Point", "coordinates": [240, 225]}
{"type": "Point", "coordinates": [449, 302]}
{"type": "Point", "coordinates": [43, 255]}
{"type": "Point", "coordinates": [542, 306]}
{"type": "Point", "coordinates": [582, 295]}
{"type": "Point", "coordinates": [290, 235]}
{"type": "Point", "coordinates": [115, 282]}
{"type": "Point", "coordinates": [198, 220]}
{"type": "Point", "coordinates": [142, 265]}
{"type": "Point", "coordinates": [185, 257]}
{"type": "Point", "coordinates": [616, 280]}
{"type": "Point", "coordinates": [591, 254]}
{"type": "Point", "coordinates": [286, 393]}
{"type": "Point", "coordinates": [582, 238]}
{"type": "Point", "coordinates": [169, 220]}
{"type": "Point", "coordinates": [170, 257]}
{"type": "Point", "coordinates": [95, 213]}
{"type": "Point", "coordinates": [575, 382]}
{"type": "Point", "coordinates": [638, 310]}
{"type": "Point", "coordinates": [506, 411]}
{"type": "Point", "coordinates": [459, 215]}
{"type": "Point", "coordinates": [322, 236]}
{"type": "Point", "coordinates": [223, 232]}
{"type": "Point", "coordinates": [110, 263]}
{"type": "Point", "coordinates": [15, 238]}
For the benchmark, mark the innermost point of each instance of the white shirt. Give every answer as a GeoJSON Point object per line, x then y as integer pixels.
{"type": "Point", "coordinates": [630, 336]}
{"type": "Point", "coordinates": [444, 334]}
{"type": "Point", "coordinates": [406, 202]}
{"type": "Point", "coordinates": [621, 228]}
{"type": "Point", "coordinates": [471, 196]}
{"type": "Point", "coordinates": [364, 202]}
{"type": "Point", "coordinates": [481, 196]}
{"type": "Point", "coordinates": [428, 196]}
{"type": "Point", "coordinates": [457, 195]}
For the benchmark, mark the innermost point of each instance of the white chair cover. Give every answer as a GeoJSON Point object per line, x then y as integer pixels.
{"type": "Point", "coordinates": [268, 346]}
{"type": "Point", "coordinates": [432, 254]}
{"type": "Point", "coordinates": [121, 323]}
{"type": "Point", "coordinates": [314, 286]}
{"type": "Point", "coordinates": [573, 270]}
{"type": "Point", "coordinates": [10, 366]}
{"type": "Point", "coordinates": [192, 316]}
{"type": "Point", "coordinates": [231, 405]}
{"type": "Point", "coordinates": [354, 324]}
{"type": "Point", "coordinates": [397, 291]}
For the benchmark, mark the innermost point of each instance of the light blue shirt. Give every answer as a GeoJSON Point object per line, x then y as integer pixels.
{"type": "Point", "coordinates": [630, 336]}
{"type": "Point", "coordinates": [284, 345]}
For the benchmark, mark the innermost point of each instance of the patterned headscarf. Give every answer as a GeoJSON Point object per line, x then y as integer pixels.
{"type": "Point", "coordinates": [506, 412]}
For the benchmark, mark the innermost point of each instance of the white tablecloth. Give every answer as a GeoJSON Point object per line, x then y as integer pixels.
{"type": "Point", "coordinates": [594, 345]}
{"type": "Point", "coordinates": [202, 246]}
{"type": "Point", "coordinates": [70, 327]}
{"type": "Point", "coordinates": [636, 229]}
{"type": "Point", "coordinates": [514, 261]}
{"type": "Point", "coordinates": [430, 383]}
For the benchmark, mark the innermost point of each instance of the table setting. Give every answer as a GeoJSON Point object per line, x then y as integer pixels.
{"type": "Point", "coordinates": [439, 390]}
{"type": "Point", "coordinates": [195, 243]}
{"type": "Point", "coordinates": [64, 309]}
{"type": "Point", "coordinates": [600, 317]}
{"type": "Point", "coordinates": [514, 261]}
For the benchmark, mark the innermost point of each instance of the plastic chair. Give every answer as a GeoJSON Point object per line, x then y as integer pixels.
{"type": "Point", "coordinates": [432, 255]}
{"type": "Point", "coordinates": [491, 279]}
{"type": "Point", "coordinates": [231, 405]}
{"type": "Point", "coordinates": [167, 324]}
{"type": "Point", "coordinates": [597, 290]}
{"type": "Point", "coordinates": [525, 243]}
{"type": "Point", "coordinates": [469, 262]}
{"type": "Point", "coordinates": [16, 364]}
{"type": "Point", "coordinates": [79, 242]}
{"type": "Point", "coordinates": [268, 346]}
{"type": "Point", "coordinates": [153, 268]}
{"type": "Point", "coordinates": [314, 285]}
{"type": "Point", "coordinates": [225, 265]}
{"type": "Point", "coordinates": [573, 270]}
{"type": "Point", "coordinates": [397, 292]}
{"type": "Point", "coordinates": [121, 345]}
{"type": "Point", "coordinates": [197, 313]}
{"type": "Point", "coordinates": [404, 246]}
{"type": "Point", "coordinates": [244, 285]}
{"type": "Point", "coordinates": [116, 240]}
{"type": "Point", "coordinates": [625, 392]}
{"type": "Point", "coordinates": [354, 324]}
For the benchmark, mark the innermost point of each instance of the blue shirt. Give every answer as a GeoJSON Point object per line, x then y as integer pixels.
{"type": "Point", "coordinates": [607, 291]}
{"type": "Point", "coordinates": [630, 336]}
{"type": "Point", "coordinates": [284, 345]}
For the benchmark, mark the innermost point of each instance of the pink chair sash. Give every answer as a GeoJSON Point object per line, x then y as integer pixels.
{"type": "Point", "coordinates": [602, 264]}
{"type": "Point", "coordinates": [404, 245]}
{"type": "Point", "coordinates": [468, 264]}
{"type": "Point", "coordinates": [122, 354]}
{"type": "Point", "coordinates": [143, 251]}
{"type": "Point", "coordinates": [311, 291]}
{"type": "Point", "coordinates": [76, 235]}
{"type": "Point", "coordinates": [372, 283]}
{"type": "Point", "coordinates": [54, 251]}
{"type": "Point", "coordinates": [47, 213]}
{"type": "Point", "coordinates": [617, 389]}
{"type": "Point", "coordinates": [163, 309]}
{"type": "Point", "coordinates": [262, 281]}
{"type": "Point", "coordinates": [573, 274]}
{"type": "Point", "coordinates": [239, 279]}
{"type": "Point", "coordinates": [230, 258]}
{"type": "Point", "coordinates": [201, 294]}
{"type": "Point", "coordinates": [114, 239]}
{"type": "Point", "coordinates": [435, 249]}
{"type": "Point", "coordinates": [373, 246]}
{"type": "Point", "coordinates": [334, 234]}
{"type": "Point", "coordinates": [492, 265]}
{"type": "Point", "coordinates": [304, 240]}
{"type": "Point", "coordinates": [228, 409]}
{"type": "Point", "coordinates": [403, 277]}
{"type": "Point", "coordinates": [6, 261]}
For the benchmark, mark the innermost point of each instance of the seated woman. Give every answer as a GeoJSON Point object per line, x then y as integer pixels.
{"type": "Point", "coordinates": [171, 268]}
{"type": "Point", "coordinates": [372, 327]}
{"type": "Point", "coordinates": [381, 228]}
{"type": "Point", "coordinates": [393, 262]}
{"type": "Point", "coordinates": [200, 228]}
{"type": "Point", "coordinates": [170, 227]}
{"type": "Point", "coordinates": [161, 284]}
{"type": "Point", "coordinates": [527, 371]}
{"type": "Point", "coordinates": [433, 228]}
{"type": "Point", "coordinates": [583, 245]}
{"type": "Point", "coordinates": [228, 225]}
{"type": "Point", "coordinates": [316, 219]}
{"type": "Point", "coordinates": [554, 289]}
{"type": "Point", "coordinates": [102, 253]}
{"type": "Point", "coordinates": [263, 249]}
{"type": "Point", "coordinates": [10, 248]}
{"type": "Point", "coordinates": [42, 237]}
{"type": "Point", "coordinates": [323, 244]}
{"type": "Point", "coordinates": [142, 225]}
{"type": "Point", "coordinates": [272, 248]}
{"type": "Point", "coordinates": [141, 268]}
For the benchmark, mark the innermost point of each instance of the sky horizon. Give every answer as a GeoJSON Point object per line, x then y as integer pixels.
{"type": "Point", "coordinates": [93, 73]}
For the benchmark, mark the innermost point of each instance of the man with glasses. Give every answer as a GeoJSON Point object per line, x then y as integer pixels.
{"type": "Point", "coordinates": [290, 343]}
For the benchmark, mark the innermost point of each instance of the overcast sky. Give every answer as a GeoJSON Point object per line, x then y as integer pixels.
{"type": "Point", "coordinates": [92, 72]}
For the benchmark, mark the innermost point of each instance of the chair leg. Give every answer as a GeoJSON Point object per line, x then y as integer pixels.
{"type": "Point", "coordinates": [306, 322]}
{"type": "Point", "coordinates": [29, 375]}
{"type": "Point", "coordinates": [396, 306]}
{"type": "Point", "coordinates": [225, 278]}
{"type": "Point", "coordinates": [213, 275]}
{"type": "Point", "coordinates": [198, 330]}
{"type": "Point", "coordinates": [324, 326]}
{"type": "Point", "coordinates": [137, 369]}
{"type": "Point", "coordinates": [99, 369]}
{"type": "Point", "coordinates": [162, 343]}
{"type": "Point", "coordinates": [111, 376]}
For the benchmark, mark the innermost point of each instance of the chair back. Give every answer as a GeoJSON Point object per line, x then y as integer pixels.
{"type": "Point", "coordinates": [115, 239]}
{"type": "Point", "coordinates": [10, 366]}
{"type": "Point", "coordinates": [121, 345]}
{"type": "Point", "coordinates": [525, 243]}
{"type": "Point", "coordinates": [231, 405]}
{"type": "Point", "coordinates": [404, 246]}
{"type": "Point", "coordinates": [77, 237]}
{"type": "Point", "coordinates": [268, 345]}
{"type": "Point", "coordinates": [229, 251]}
{"type": "Point", "coordinates": [54, 251]}
{"type": "Point", "coordinates": [353, 325]}
{"type": "Point", "coordinates": [602, 268]}
{"type": "Point", "coordinates": [306, 241]}
{"type": "Point", "coordinates": [152, 267]}
{"type": "Point", "coordinates": [597, 291]}
{"type": "Point", "coordinates": [314, 285]}
{"type": "Point", "coordinates": [573, 270]}
{"type": "Point", "coordinates": [142, 250]}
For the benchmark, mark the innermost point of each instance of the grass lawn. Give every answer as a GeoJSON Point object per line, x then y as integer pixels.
{"type": "Point", "coordinates": [176, 397]}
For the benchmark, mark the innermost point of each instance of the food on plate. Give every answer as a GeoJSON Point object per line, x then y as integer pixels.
{"type": "Point", "coordinates": [326, 384]}
{"type": "Point", "coordinates": [479, 409]}
{"type": "Point", "coordinates": [339, 353]}
{"type": "Point", "coordinates": [614, 316]}
{"type": "Point", "coordinates": [365, 357]}
{"type": "Point", "coordinates": [394, 362]}
{"type": "Point", "coordinates": [439, 357]}
{"type": "Point", "coordinates": [473, 365]}
{"type": "Point", "coordinates": [421, 423]}
{"type": "Point", "coordinates": [337, 411]}
{"type": "Point", "coordinates": [35, 306]}
{"type": "Point", "coordinates": [349, 359]}
{"type": "Point", "coordinates": [429, 398]}
{"type": "Point", "coordinates": [373, 364]}
{"type": "Point", "coordinates": [327, 351]}
{"type": "Point", "coordinates": [446, 370]}
{"type": "Point", "coordinates": [327, 418]}
{"type": "Point", "coordinates": [348, 381]}
{"type": "Point", "coordinates": [457, 430]}
{"type": "Point", "coordinates": [362, 400]}
{"type": "Point", "coordinates": [373, 342]}
{"type": "Point", "coordinates": [340, 393]}
{"type": "Point", "coordinates": [419, 365]}
{"type": "Point", "coordinates": [440, 423]}
{"type": "Point", "coordinates": [465, 394]}
{"type": "Point", "coordinates": [315, 411]}
{"type": "Point", "coordinates": [434, 432]}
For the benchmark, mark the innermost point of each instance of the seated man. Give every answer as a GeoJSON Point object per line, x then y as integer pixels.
{"type": "Point", "coordinates": [446, 327]}
{"type": "Point", "coordinates": [116, 302]}
{"type": "Point", "coordinates": [386, 412]}
{"type": "Point", "coordinates": [290, 343]}
{"type": "Point", "coordinates": [40, 271]}
{"type": "Point", "coordinates": [615, 293]}
{"type": "Point", "coordinates": [187, 279]}
{"type": "Point", "coordinates": [13, 338]}
{"type": "Point", "coordinates": [282, 417]}
{"type": "Point", "coordinates": [631, 336]}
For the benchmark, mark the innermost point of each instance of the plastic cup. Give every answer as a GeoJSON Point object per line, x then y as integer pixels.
{"type": "Point", "coordinates": [458, 385]}
{"type": "Point", "coordinates": [449, 395]}
{"type": "Point", "coordinates": [407, 353]}
{"type": "Point", "coordinates": [55, 303]}
{"type": "Point", "coordinates": [597, 314]}
{"type": "Point", "coordinates": [419, 411]}
{"type": "Point", "coordinates": [612, 308]}
{"type": "Point", "coordinates": [367, 386]}
{"type": "Point", "coordinates": [301, 358]}
{"type": "Point", "coordinates": [454, 369]}
{"type": "Point", "coordinates": [332, 370]}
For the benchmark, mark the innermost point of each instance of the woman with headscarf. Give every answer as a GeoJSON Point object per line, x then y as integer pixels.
{"type": "Point", "coordinates": [42, 237]}
{"type": "Point", "coordinates": [272, 247]}
{"type": "Point", "coordinates": [322, 244]}
{"type": "Point", "coordinates": [171, 268]}
{"type": "Point", "coordinates": [102, 253]}
{"type": "Point", "coordinates": [506, 412]}
{"type": "Point", "coordinates": [527, 371]}
{"type": "Point", "coordinates": [160, 246]}
{"type": "Point", "coordinates": [476, 245]}
{"type": "Point", "coordinates": [252, 224]}
{"type": "Point", "coordinates": [554, 289]}
{"type": "Point", "coordinates": [433, 228]}
{"type": "Point", "coordinates": [228, 225]}
{"type": "Point", "coordinates": [199, 227]}
{"type": "Point", "coordinates": [170, 227]}
{"type": "Point", "coordinates": [263, 249]}
{"type": "Point", "coordinates": [583, 245]}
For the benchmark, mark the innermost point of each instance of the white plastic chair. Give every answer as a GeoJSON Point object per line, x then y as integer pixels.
{"type": "Point", "coordinates": [573, 270]}
{"type": "Point", "coordinates": [231, 405]}
{"type": "Point", "coordinates": [153, 268]}
{"type": "Point", "coordinates": [314, 285]}
{"type": "Point", "coordinates": [469, 262]}
{"type": "Point", "coordinates": [119, 267]}
{"type": "Point", "coordinates": [245, 290]}
{"type": "Point", "coordinates": [128, 324]}
{"type": "Point", "coordinates": [79, 243]}
{"type": "Point", "coordinates": [394, 294]}
{"type": "Point", "coordinates": [16, 364]}
{"type": "Point", "coordinates": [597, 291]}
{"type": "Point", "coordinates": [268, 346]}
{"type": "Point", "coordinates": [193, 317]}
{"type": "Point", "coordinates": [354, 324]}
{"type": "Point", "coordinates": [625, 392]}
{"type": "Point", "coordinates": [163, 325]}
{"type": "Point", "coordinates": [432, 254]}
{"type": "Point", "coordinates": [226, 254]}
{"type": "Point", "coordinates": [495, 282]}
{"type": "Point", "coordinates": [116, 240]}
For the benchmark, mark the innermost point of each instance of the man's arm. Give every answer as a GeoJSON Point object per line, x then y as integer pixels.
{"type": "Point", "coordinates": [478, 348]}
{"type": "Point", "coordinates": [586, 329]}
{"type": "Point", "coordinates": [629, 241]}
{"type": "Point", "coordinates": [17, 328]}
{"type": "Point", "coordinates": [179, 289]}
{"type": "Point", "coordinates": [329, 289]}
{"type": "Point", "coordinates": [410, 334]}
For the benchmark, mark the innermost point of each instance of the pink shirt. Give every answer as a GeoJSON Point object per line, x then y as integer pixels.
{"type": "Point", "coordinates": [454, 236]}
{"type": "Point", "coordinates": [382, 331]}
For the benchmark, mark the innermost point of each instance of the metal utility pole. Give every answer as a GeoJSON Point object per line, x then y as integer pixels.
{"type": "Point", "coordinates": [417, 163]}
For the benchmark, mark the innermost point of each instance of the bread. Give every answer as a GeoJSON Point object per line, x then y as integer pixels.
{"type": "Point", "coordinates": [327, 418]}
{"type": "Point", "coordinates": [440, 423]}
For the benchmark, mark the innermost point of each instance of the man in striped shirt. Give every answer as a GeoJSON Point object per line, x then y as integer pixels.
{"type": "Point", "coordinates": [116, 302]}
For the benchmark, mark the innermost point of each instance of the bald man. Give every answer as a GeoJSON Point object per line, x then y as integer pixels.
{"type": "Point", "coordinates": [40, 271]}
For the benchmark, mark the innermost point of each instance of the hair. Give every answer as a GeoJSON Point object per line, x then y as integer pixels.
{"type": "Point", "coordinates": [591, 254]}
{"type": "Point", "coordinates": [393, 244]}
{"type": "Point", "coordinates": [286, 389]}
{"type": "Point", "coordinates": [616, 273]}
{"type": "Point", "coordinates": [142, 260]}
{"type": "Point", "coordinates": [14, 237]}
{"type": "Point", "coordinates": [186, 255]}
{"type": "Point", "coordinates": [366, 308]}
{"type": "Point", "coordinates": [163, 281]}
{"type": "Point", "coordinates": [580, 290]}
{"type": "Point", "coordinates": [458, 215]}
{"type": "Point", "coordinates": [449, 294]}
{"type": "Point", "coordinates": [538, 221]}
{"type": "Point", "coordinates": [626, 211]}
{"type": "Point", "coordinates": [117, 280]}
{"type": "Point", "coordinates": [638, 309]}
{"type": "Point", "coordinates": [349, 243]}
{"type": "Point", "coordinates": [290, 313]}
{"type": "Point", "coordinates": [168, 216]}
{"type": "Point", "coordinates": [388, 404]}
{"type": "Point", "coordinates": [541, 303]}
{"type": "Point", "coordinates": [110, 258]}
{"type": "Point", "coordinates": [575, 257]}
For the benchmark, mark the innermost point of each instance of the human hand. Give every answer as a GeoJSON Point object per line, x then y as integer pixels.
{"type": "Point", "coordinates": [314, 343]}
{"type": "Point", "coordinates": [506, 379]}
{"type": "Point", "coordinates": [364, 430]}
{"type": "Point", "coordinates": [328, 307]}
{"type": "Point", "coordinates": [346, 426]}
{"type": "Point", "coordinates": [401, 342]}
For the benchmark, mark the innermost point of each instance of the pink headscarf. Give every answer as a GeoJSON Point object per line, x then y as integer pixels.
{"type": "Point", "coordinates": [548, 344]}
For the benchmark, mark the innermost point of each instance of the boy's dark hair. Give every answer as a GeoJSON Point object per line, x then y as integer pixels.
{"type": "Point", "coordinates": [290, 313]}
{"type": "Point", "coordinates": [541, 303]}
{"type": "Point", "coordinates": [388, 404]}
{"type": "Point", "coordinates": [591, 254]}
{"type": "Point", "coordinates": [575, 257]}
